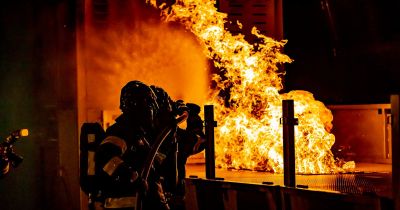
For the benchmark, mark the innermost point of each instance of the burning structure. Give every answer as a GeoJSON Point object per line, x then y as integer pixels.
{"type": "Point", "coordinates": [247, 91]}
{"type": "Point", "coordinates": [83, 51]}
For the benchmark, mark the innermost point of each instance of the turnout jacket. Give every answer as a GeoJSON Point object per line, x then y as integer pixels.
{"type": "Point", "coordinates": [119, 160]}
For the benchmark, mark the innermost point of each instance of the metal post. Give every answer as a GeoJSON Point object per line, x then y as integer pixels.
{"type": "Point", "coordinates": [209, 132]}
{"type": "Point", "coordinates": [288, 122]}
{"type": "Point", "coordinates": [395, 112]}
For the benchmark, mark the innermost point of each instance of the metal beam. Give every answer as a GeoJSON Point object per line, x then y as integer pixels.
{"type": "Point", "coordinates": [210, 124]}
{"type": "Point", "coordinates": [288, 122]}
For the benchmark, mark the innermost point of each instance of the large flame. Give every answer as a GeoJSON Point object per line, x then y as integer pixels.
{"type": "Point", "coordinates": [247, 101]}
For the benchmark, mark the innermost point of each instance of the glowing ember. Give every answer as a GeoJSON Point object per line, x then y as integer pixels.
{"type": "Point", "coordinates": [249, 135]}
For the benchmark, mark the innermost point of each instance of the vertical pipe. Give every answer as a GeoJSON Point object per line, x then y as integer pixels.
{"type": "Point", "coordinates": [395, 112]}
{"type": "Point", "coordinates": [209, 132]}
{"type": "Point", "coordinates": [288, 121]}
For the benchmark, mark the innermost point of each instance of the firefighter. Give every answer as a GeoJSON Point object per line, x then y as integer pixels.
{"type": "Point", "coordinates": [7, 155]}
{"type": "Point", "coordinates": [120, 156]}
{"type": "Point", "coordinates": [180, 145]}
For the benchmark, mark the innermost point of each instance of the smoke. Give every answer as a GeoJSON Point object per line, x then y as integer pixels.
{"type": "Point", "coordinates": [153, 52]}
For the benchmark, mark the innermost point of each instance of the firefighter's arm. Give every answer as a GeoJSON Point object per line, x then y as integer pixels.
{"type": "Point", "coordinates": [109, 160]}
{"type": "Point", "coordinates": [195, 128]}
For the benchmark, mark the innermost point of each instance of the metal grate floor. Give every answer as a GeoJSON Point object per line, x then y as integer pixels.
{"type": "Point", "coordinates": [371, 179]}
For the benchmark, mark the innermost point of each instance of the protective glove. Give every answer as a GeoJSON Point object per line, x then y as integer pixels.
{"type": "Point", "coordinates": [194, 121]}
{"type": "Point", "coordinates": [179, 107]}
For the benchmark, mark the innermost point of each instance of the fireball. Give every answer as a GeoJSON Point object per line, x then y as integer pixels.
{"type": "Point", "coordinates": [248, 100]}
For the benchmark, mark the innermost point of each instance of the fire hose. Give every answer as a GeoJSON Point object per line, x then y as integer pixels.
{"type": "Point", "coordinates": [153, 151]}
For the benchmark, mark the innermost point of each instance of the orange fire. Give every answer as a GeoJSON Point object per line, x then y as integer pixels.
{"type": "Point", "coordinates": [249, 135]}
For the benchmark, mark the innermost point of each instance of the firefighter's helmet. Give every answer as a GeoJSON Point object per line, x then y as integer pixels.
{"type": "Point", "coordinates": [138, 99]}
